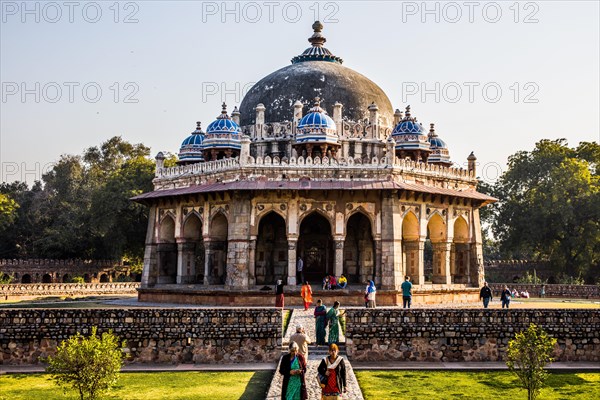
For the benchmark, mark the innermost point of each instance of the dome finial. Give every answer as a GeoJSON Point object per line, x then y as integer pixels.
{"type": "Point", "coordinates": [198, 126]}
{"type": "Point", "coordinates": [317, 40]}
{"type": "Point", "coordinates": [317, 101]}
{"type": "Point", "coordinates": [432, 130]}
{"type": "Point", "coordinates": [407, 116]}
{"type": "Point", "coordinates": [224, 112]}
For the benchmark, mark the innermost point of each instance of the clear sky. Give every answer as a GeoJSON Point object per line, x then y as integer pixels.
{"type": "Point", "coordinates": [495, 77]}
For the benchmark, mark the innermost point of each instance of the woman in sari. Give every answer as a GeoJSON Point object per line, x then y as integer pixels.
{"type": "Point", "coordinates": [320, 322]}
{"type": "Point", "coordinates": [334, 326]}
{"type": "Point", "coordinates": [306, 294]}
{"type": "Point", "coordinates": [334, 369]}
{"type": "Point", "coordinates": [293, 368]}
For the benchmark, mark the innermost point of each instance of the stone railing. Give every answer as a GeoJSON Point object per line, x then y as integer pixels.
{"type": "Point", "coordinates": [572, 291]}
{"type": "Point", "coordinates": [397, 165]}
{"type": "Point", "coordinates": [169, 336]}
{"type": "Point", "coordinates": [66, 289]}
{"type": "Point", "coordinates": [465, 335]}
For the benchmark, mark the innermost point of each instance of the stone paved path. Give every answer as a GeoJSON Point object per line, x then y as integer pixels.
{"type": "Point", "coordinates": [306, 319]}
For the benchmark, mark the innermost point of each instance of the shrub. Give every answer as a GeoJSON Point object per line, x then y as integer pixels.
{"type": "Point", "coordinates": [89, 365]}
{"type": "Point", "coordinates": [527, 355]}
{"type": "Point", "coordinates": [77, 279]}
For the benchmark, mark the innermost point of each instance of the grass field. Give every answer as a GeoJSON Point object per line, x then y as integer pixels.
{"type": "Point", "coordinates": [143, 386]}
{"type": "Point", "coordinates": [443, 385]}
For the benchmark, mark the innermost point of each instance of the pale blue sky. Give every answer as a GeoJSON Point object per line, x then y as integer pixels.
{"type": "Point", "coordinates": [178, 53]}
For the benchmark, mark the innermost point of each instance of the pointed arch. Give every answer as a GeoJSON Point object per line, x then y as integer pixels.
{"type": "Point", "coordinates": [410, 246]}
{"type": "Point", "coordinates": [271, 256]}
{"type": "Point", "coordinates": [166, 233]}
{"type": "Point", "coordinates": [166, 251]}
{"type": "Point", "coordinates": [460, 253]}
{"type": "Point", "coordinates": [315, 245]}
{"type": "Point", "coordinates": [192, 226]}
{"type": "Point", "coordinates": [410, 227]}
{"type": "Point", "coordinates": [193, 252]}
{"type": "Point", "coordinates": [217, 254]}
{"type": "Point", "coordinates": [461, 230]}
{"type": "Point", "coordinates": [436, 227]}
{"type": "Point", "coordinates": [359, 248]}
{"type": "Point", "coordinates": [369, 216]}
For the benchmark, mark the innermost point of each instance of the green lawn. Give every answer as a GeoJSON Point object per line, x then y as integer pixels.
{"type": "Point", "coordinates": [443, 385]}
{"type": "Point", "coordinates": [143, 386]}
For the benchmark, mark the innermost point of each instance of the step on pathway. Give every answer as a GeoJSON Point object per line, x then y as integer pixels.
{"type": "Point", "coordinates": [306, 319]}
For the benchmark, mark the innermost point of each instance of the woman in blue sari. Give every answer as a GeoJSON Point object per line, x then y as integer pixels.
{"type": "Point", "coordinates": [334, 326]}
{"type": "Point", "coordinates": [293, 369]}
{"type": "Point", "coordinates": [320, 322]}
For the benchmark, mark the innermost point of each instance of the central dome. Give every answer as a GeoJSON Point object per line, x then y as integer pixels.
{"type": "Point", "coordinates": [315, 74]}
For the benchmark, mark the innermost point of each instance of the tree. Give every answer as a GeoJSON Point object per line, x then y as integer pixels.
{"type": "Point", "coordinates": [7, 210]}
{"type": "Point", "coordinates": [549, 207]}
{"type": "Point", "coordinates": [82, 207]}
{"type": "Point", "coordinates": [527, 355]}
{"type": "Point", "coordinates": [89, 365]}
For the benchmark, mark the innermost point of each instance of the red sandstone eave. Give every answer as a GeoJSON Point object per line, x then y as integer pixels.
{"type": "Point", "coordinates": [312, 185]}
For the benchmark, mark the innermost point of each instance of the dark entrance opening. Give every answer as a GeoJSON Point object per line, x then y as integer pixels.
{"type": "Point", "coordinates": [315, 246]}
{"type": "Point", "coordinates": [359, 258]}
{"type": "Point", "coordinates": [271, 259]}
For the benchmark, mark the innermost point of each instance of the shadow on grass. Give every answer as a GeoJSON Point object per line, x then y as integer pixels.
{"type": "Point", "coordinates": [258, 386]}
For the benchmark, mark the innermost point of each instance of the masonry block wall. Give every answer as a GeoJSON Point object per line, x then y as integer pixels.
{"type": "Point", "coordinates": [152, 335]}
{"type": "Point", "coordinates": [465, 335]}
{"type": "Point", "coordinates": [574, 291]}
{"type": "Point", "coordinates": [18, 290]}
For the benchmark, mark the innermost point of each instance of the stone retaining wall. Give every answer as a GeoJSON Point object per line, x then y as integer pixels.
{"type": "Point", "coordinates": [20, 290]}
{"type": "Point", "coordinates": [465, 335]}
{"type": "Point", "coordinates": [573, 291]}
{"type": "Point", "coordinates": [152, 335]}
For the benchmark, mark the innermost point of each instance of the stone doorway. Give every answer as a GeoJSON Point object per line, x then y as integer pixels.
{"type": "Point", "coordinates": [315, 246]}
{"type": "Point", "coordinates": [271, 259]}
{"type": "Point", "coordinates": [359, 249]}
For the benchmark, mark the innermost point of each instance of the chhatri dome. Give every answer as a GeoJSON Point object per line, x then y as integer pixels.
{"type": "Point", "coordinates": [191, 149]}
{"type": "Point", "coordinates": [315, 73]}
{"type": "Point", "coordinates": [222, 137]}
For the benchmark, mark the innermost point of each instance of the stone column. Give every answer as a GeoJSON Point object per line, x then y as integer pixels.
{"type": "Point", "coordinates": [252, 261]}
{"type": "Point", "coordinates": [441, 263]}
{"type": "Point", "coordinates": [338, 267]}
{"type": "Point", "coordinates": [238, 243]}
{"type": "Point", "coordinates": [377, 257]}
{"type": "Point", "coordinates": [150, 270]}
{"type": "Point", "coordinates": [292, 256]}
{"type": "Point", "coordinates": [391, 242]}
{"type": "Point", "coordinates": [207, 261]}
{"type": "Point", "coordinates": [186, 261]}
{"type": "Point", "coordinates": [421, 260]}
{"type": "Point", "coordinates": [476, 272]}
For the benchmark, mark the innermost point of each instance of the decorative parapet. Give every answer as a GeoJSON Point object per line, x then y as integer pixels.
{"type": "Point", "coordinates": [375, 164]}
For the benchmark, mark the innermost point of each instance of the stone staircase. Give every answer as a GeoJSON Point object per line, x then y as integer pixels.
{"type": "Point", "coordinates": [315, 355]}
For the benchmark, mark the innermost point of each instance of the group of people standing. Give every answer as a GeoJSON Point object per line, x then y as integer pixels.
{"type": "Point", "coordinates": [331, 371]}
{"type": "Point", "coordinates": [331, 374]}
